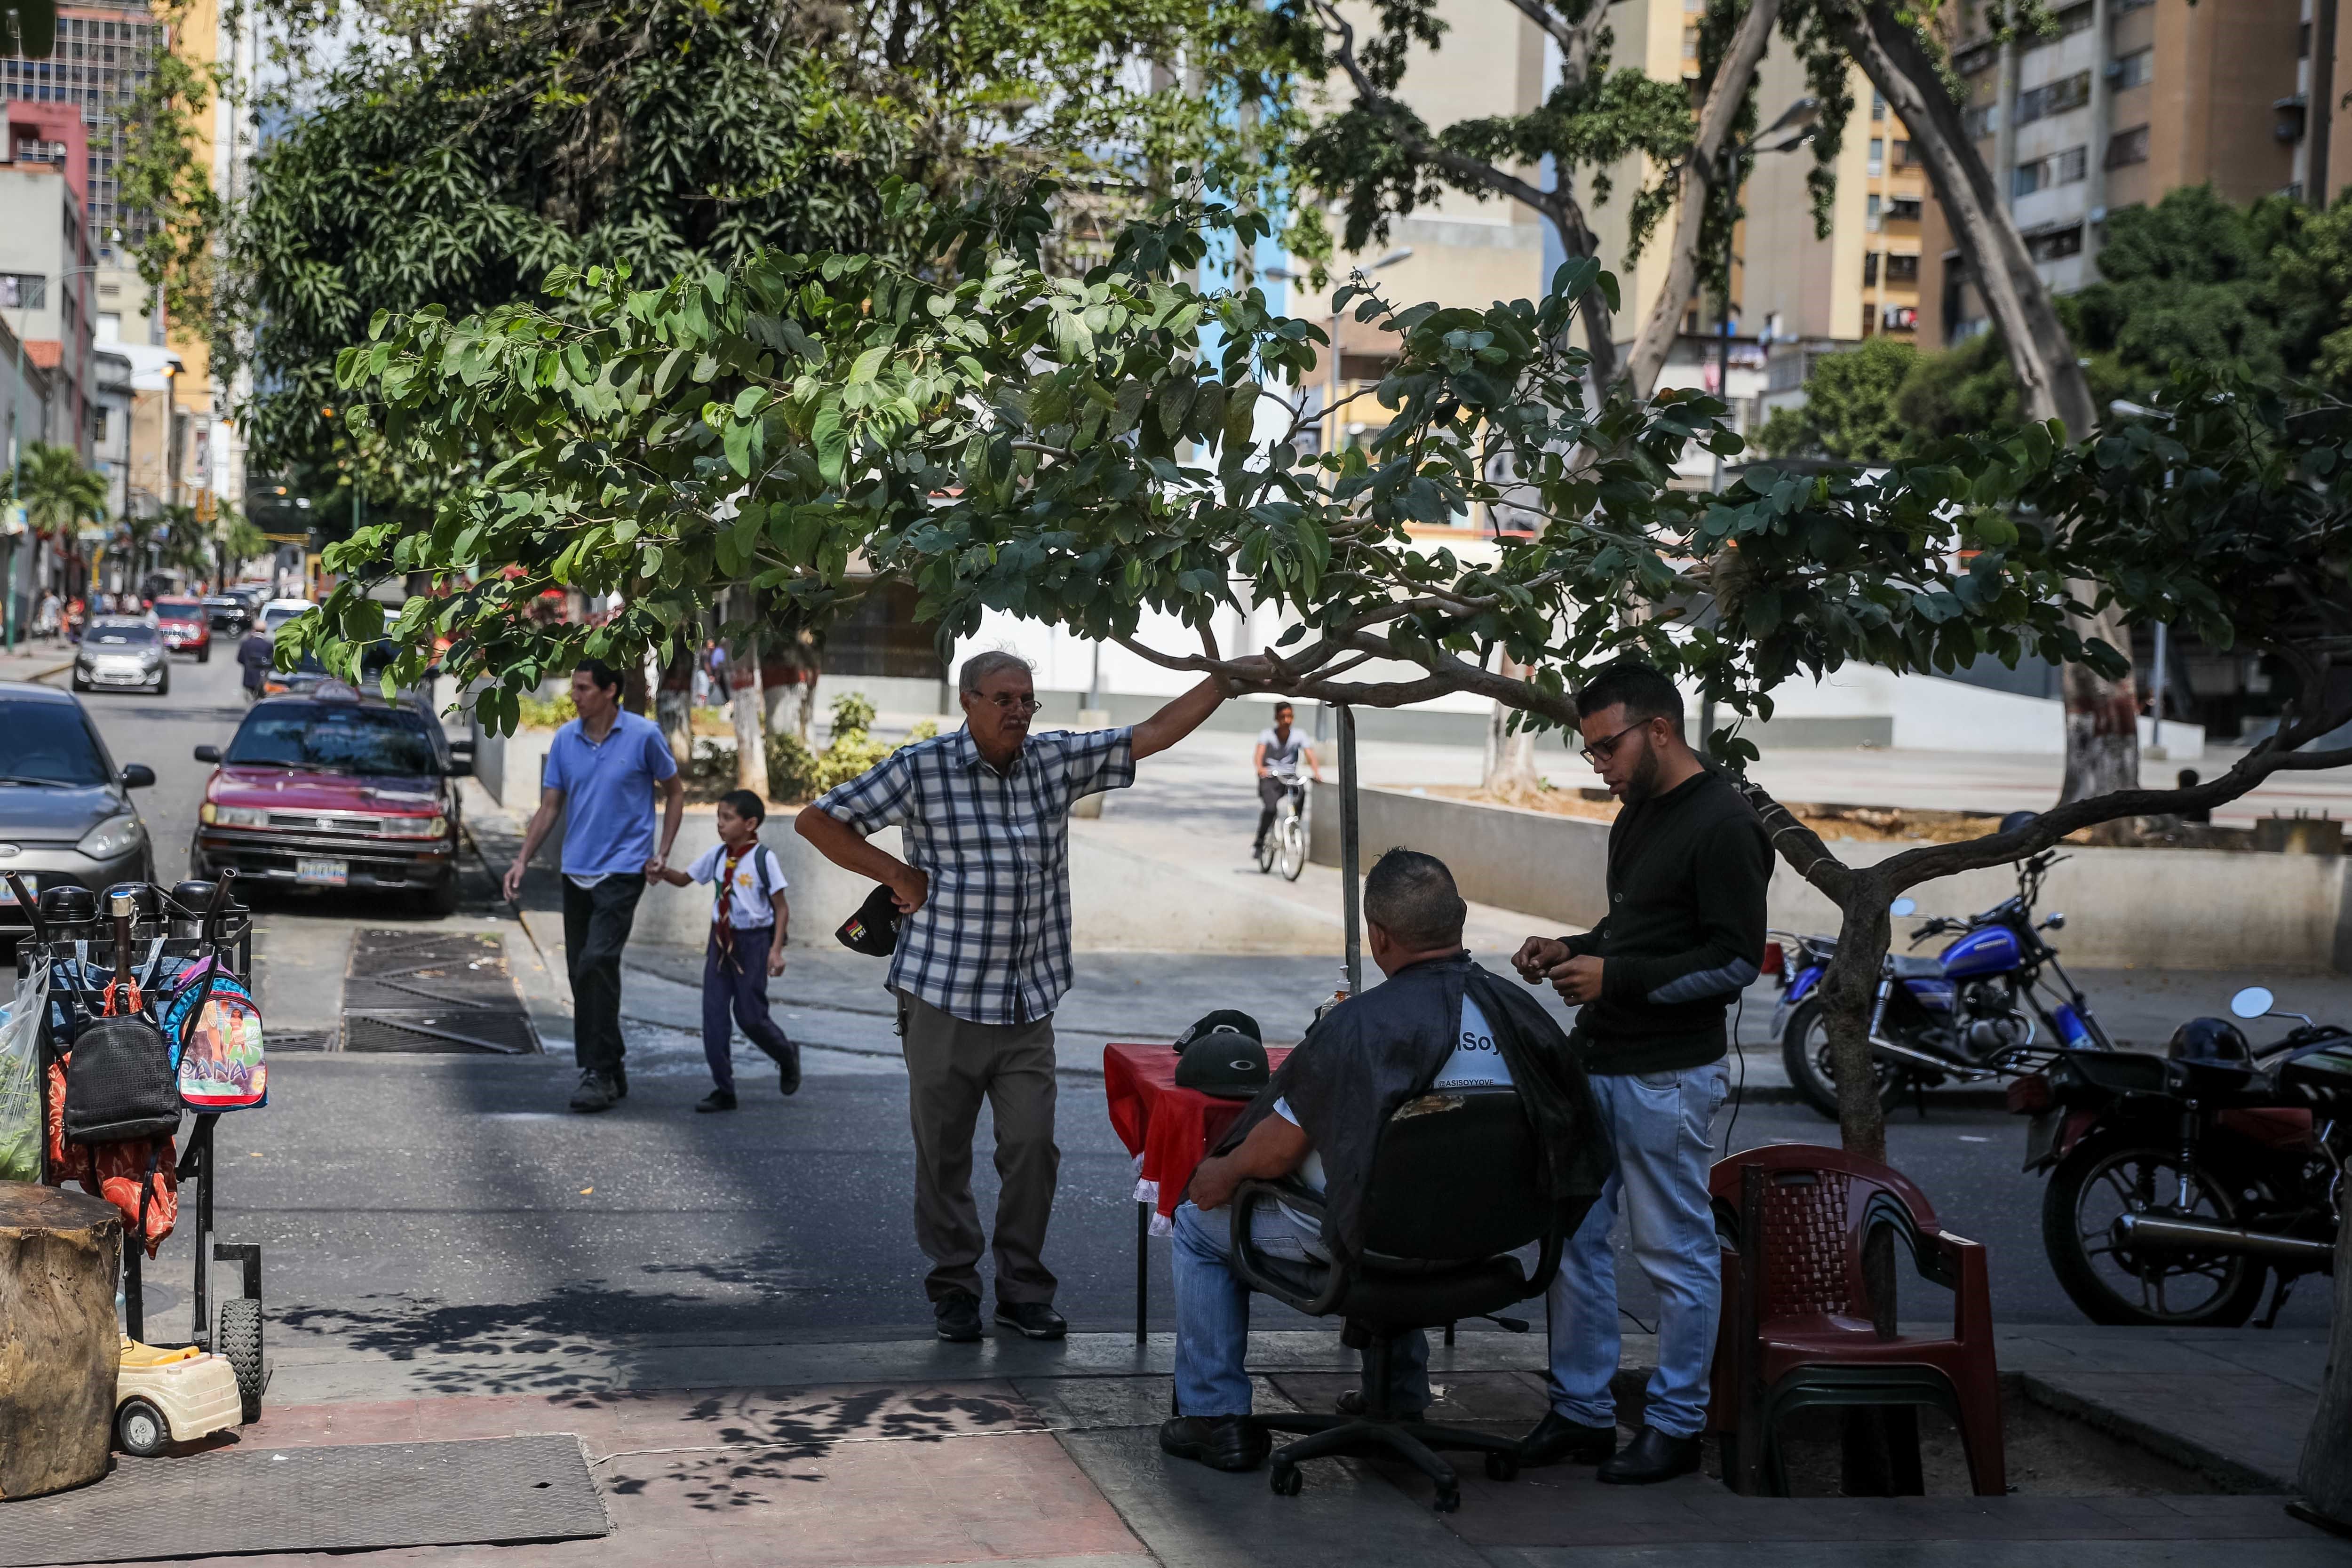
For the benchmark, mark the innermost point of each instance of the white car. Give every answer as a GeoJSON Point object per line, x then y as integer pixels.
{"type": "Point", "coordinates": [122, 651]}
{"type": "Point", "coordinates": [277, 612]}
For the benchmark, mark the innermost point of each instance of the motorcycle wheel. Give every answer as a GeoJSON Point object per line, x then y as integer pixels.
{"type": "Point", "coordinates": [1805, 1052]}
{"type": "Point", "coordinates": [2105, 1176]}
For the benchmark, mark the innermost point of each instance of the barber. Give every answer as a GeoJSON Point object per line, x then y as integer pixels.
{"type": "Point", "coordinates": [1683, 934]}
{"type": "Point", "coordinates": [983, 959]}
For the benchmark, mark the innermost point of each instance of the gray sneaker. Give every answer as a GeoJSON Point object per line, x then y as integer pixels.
{"type": "Point", "coordinates": [596, 1092]}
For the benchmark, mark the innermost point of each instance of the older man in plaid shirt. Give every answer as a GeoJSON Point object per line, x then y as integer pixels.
{"type": "Point", "coordinates": [983, 959]}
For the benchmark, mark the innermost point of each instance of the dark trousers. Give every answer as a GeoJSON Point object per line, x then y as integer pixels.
{"type": "Point", "coordinates": [737, 982]}
{"type": "Point", "coordinates": [597, 922]}
{"type": "Point", "coordinates": [953, 1064]}
{"type": "Point", "coordinates": [1270, 792]}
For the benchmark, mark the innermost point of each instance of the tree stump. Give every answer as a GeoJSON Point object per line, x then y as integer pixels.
{"type": "Point", "coordinates": [60, 1256]}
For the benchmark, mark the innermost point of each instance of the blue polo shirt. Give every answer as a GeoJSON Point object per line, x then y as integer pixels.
{"type": "Point", "coordinates": [608, 794]}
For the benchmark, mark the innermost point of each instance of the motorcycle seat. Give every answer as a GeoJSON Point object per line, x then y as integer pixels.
{"type": "Point", "coordinates": [1909, 968]}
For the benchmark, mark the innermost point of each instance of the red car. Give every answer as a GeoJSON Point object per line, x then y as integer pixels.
{"type": "Point", "coordinates": [331, 788]}
{"type": "Point", "coordinates": [187, 627]}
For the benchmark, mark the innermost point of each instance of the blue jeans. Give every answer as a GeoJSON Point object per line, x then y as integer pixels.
{"type": "Point", "coordinates": [1212, 1312]}
{"type": "Point", "coordinates": [736, 982]}
{"type": "Point", "coordinates": [1661, 1125]}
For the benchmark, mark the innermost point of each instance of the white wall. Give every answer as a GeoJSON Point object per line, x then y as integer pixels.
{"type": "Point", "coordinates": [1932, 714]}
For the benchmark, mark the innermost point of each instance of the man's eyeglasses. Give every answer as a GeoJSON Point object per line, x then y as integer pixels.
{"type": "Point", "coordinates": [1600, 750]}
{"type": "Point", "coordinates": [1008, 703]}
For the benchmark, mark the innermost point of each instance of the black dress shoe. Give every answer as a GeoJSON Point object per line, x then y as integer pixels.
{"type": "Point", "coordinates": [716, 1100]}
{"type": "Point", "coordinates": [1351, 1402]}
{"type": "Point", "coordinates": [958, 1315]}
{"type": "Point", "coordinates": [1037, 1320]}
{"type": "Point", "coordinates": [1653, 1457]}
{"type": "Point", "coordinates": [1557, 1439]}
{"type": "Point", "coordinates": [619, 1076]}
{"type": "Point", "coordinates": [595, 1094]}
{"type": "Point", "coordinates": [1219, 1442]}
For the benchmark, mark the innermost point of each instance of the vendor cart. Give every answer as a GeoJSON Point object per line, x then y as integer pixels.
{"type": "Point", "coordinates": [177, 928]}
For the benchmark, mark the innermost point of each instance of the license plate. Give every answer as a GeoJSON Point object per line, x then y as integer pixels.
{"type": "Point", "coordinates": [323, 873]}
{"type": "Point", "coordinates": [8, 894]}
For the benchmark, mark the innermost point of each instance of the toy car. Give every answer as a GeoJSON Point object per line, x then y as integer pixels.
{"type": "Point", "coordinates": [163, 1396]}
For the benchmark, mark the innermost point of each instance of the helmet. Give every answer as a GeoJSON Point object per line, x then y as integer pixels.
{"type": "Point", "coordinates": [2017, 820]}
{"type": "Point", "coordinates": [2209, 1040]}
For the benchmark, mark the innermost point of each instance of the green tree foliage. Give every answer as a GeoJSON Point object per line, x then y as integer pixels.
{"type": "Point", "coordinates": [459, 157]}
{"type": "Point", "coordinates": [57, 493]}
{"type": "Point", "coordinates": [1849, 411]}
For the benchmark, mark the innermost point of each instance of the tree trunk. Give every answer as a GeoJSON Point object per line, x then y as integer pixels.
{"type": "Point", "coordinates": [2326, 1474]}
{"type": "Point", "coordinates": [60, 1254]}
{"type": "Point", "coordinates": [751, 729]}
{"type": "Point", "coordinates": [1510, 766]}
{"type": "Point", "coordinates": [1696, 189]}
{"type": "Point", "coordinates": [2101, 717]}
{"type": "Point", "coordinates": [1849, 994]}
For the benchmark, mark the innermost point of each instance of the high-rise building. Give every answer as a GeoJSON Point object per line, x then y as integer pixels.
{"type": "Point", "coordinates": [2122, 102]}
{"type": "Point", "coordinates": [105, 53]}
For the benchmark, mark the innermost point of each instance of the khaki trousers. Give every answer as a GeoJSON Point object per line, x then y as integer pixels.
{"type": "Point", "coordinates": [953, 1064]}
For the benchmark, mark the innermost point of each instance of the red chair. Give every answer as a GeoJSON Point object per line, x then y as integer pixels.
{"type": "Point", "coordinates": [1798, 1327]}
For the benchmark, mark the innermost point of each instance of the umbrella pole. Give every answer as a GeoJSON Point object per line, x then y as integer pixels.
{"type": "Point", "coordinates": [1350, 915]}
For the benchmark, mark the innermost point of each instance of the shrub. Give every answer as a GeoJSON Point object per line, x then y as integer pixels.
{"type": "Point", "coordinates": [546, 712]}
{"type": "Point", "coordinates": [792, 768]}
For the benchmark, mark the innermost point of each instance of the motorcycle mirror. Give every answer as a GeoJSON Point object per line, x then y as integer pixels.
{"type": "Point", "coordinates": [1901, 907]}
{"type": "Point", "coordinates": [2253, 1002]}
{"type": "Point", "coordinates": [2055, 921]}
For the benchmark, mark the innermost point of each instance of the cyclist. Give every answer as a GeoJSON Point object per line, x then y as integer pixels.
{"type": "Point", "coordinates": [1280, 749]}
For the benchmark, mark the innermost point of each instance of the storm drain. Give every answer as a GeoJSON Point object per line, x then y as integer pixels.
{"type": "Point", "coordinates": [432, 991]}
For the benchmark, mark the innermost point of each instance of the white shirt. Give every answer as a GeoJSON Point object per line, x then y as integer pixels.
{"type": "Point", "coordinates": [751, 908]}
{"type": "Point", "coordinates": [1282, 757]}
{"type": "Point", "coordinates": [1476, 1063]}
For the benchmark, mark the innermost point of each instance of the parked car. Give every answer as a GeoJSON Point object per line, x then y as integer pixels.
{"type": "Point", "coordinates": [186, 627]}
{"type": "Point", "coordinates": [277, 612]}
{"type": "Point", "coordinates": [66, 815]}
{"type": "Point", "coordinates": [228, 613]}
{"type": "Point", "coordinates": [334, 788]}
{"type": "Point", "coordinates": [122, 652]}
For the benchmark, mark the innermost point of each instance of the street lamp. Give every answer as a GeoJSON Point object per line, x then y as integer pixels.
{"type": "Point", "coordinates": [1794, 127]}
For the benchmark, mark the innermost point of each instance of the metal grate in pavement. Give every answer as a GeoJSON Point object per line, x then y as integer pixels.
{"type": "Point", "coordinates": [437, 992]}
{"type": "Point", "coordinates": [357, 1497]}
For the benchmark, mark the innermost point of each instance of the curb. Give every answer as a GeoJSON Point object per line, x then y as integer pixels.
{"type": "Point", "coordinates": [2234, 1475]}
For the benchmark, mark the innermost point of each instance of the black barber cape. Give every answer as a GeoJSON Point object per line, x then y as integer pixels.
{"type": "Point", "coordinates": [1373, 1052]}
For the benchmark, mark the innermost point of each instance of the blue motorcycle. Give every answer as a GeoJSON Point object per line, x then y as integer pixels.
{"type": "Point", "coordinates": [1989, 1003]}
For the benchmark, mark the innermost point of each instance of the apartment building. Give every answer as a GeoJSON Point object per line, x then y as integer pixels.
{"type": "Point", "coordinates": [47, 294]}
{"type": "Point", "coordinates": [2124, 100]}
{"type": "Point", "coordinates": [105, 53]}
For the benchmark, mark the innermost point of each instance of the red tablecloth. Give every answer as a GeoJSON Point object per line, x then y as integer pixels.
{"type": "Point", "coordinates": [1168, 1130]}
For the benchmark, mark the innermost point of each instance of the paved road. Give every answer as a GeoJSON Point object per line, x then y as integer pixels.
{"type": "Point", "coordinates": [408, 1202]}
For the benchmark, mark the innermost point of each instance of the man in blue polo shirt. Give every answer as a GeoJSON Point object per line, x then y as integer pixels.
{"type": "Point", "coordinates": [602, 768]}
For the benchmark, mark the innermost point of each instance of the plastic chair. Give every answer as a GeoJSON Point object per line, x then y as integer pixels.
{"type": "Point", "coordinates": [1798, 1327]}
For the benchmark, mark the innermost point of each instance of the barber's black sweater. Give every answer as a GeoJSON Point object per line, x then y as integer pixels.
{"type": "Point", "coordinates": [1684, 931]}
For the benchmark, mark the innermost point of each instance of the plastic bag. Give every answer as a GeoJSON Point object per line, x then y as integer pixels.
{"type": "Point", "coordinates": [20, 1083]}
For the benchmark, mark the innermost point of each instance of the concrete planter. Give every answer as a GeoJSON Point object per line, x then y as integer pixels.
{"type": "Point", "coordinates": [2169, 909]}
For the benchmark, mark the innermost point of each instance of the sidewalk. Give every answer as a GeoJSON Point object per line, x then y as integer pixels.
{"type": "Point", "coordinates": [901, 1453]}
{"type": "Point", "coordinates": [33, 659]}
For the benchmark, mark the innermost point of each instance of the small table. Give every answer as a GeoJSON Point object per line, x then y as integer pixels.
{"type": "Point", "coordinates": [1168, 1130]}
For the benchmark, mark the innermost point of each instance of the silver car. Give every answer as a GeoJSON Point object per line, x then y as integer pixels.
{"type": "Point", "coordinates": [65, 809]}
{"type": "Point", "coordinates": [123, 653]}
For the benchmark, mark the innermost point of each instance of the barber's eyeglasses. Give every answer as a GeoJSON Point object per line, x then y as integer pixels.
{"type": "Point", "coordinates": [1008, 703]}
{"type": "Point", "coordinates": [1600, 750]}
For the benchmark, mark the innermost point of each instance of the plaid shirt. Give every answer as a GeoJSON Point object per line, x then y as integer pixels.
{"type": "Point", "coordinates": [992, 942]}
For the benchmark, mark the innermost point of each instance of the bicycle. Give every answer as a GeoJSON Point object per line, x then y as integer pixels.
{"type": "Point", "coordinates": [1284, 847]}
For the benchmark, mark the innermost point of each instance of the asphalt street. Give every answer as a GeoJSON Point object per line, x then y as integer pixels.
{"type": "Point", "coordinates": [408, 1202]}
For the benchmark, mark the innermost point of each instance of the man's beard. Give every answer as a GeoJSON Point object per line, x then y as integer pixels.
{"type": "Point", "coordinates": [1642, 782]}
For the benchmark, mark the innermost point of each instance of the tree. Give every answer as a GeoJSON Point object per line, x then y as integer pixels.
{"type": "Point", "coordinates": [1849, 411]}
{"type": "Point", "coordinates": [58, 494]}
{"type": "Point", "coordinates": [1071, 450]}
{"type": "Point", "coordinates": [459, 155]}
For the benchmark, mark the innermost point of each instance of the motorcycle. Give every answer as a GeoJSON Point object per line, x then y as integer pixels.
{"type": "Point", "coordinates": [1966, 1015]}
{"type": "Point", "coordinates": [2180, 1183]}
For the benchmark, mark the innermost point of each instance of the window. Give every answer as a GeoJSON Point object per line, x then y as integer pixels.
{"type": "Point", "coordinates": [1904, 157]}
{"type": "Point", "coordinates": [1690, 42]}
{"type": "Point", "coordinates": [2135, 69]}
{"type": "Point", "coordinates": [1878, 106]}
{"type": "Point", "coordinates": [336, 738]}
{"type": "Point", "coordinates": [1877, 155]}
{"type": "Point", "coordinates": [2058, 169]}
{"type": "Point", "coordinates": [51, 742]}
{"type": "Point", "coordinates": [1980, 121]}
{"type": "Point", "coordinates": [1870, 269]}
{"type": "Point", "coordinates": [1902, 209]}
{"type": "Point", "coordinates": [1869, 218]}
{"type": "Point", "coordinates": [2051, 244]}
{"type": "Point", "coordinates": [2054, 98]}
{"type": "Point", "coordinates": [1901, 268]}
{"type": "Point", "coordinates": [23, 291]}
{"type": "Point", "coordinates": [1900, 317]}
{"type": "Point", "coordinates": [2126, 147]}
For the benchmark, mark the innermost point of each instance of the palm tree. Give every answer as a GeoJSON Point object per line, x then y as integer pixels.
{"type": "Point", "coordinates": [58, 494]}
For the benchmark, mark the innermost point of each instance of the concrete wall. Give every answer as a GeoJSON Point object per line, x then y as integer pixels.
{"type": "Point", "coordinates": [2175, 909]}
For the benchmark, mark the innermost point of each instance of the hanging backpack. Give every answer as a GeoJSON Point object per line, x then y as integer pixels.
{"type": "Point", "coordinates": [119, 1081]}
{"type": "Point", "coordinates": [214, 1029]}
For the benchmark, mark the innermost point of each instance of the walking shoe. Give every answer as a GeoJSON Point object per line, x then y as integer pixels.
{"type": "Point", "coordinates": [620, 1081]}
{"type": "Point", "coordinates": [1556, 1438]}
{"type": "Point", "coordinates": [789, 1073]}
{"type": "Point", "coordinates": [1351, 1402]}
{"type": "Point", "coordinates": [1653, 1457]}
{"type": "Point", "coordinates": [1219, 1442]}
{"type": "Point", "coordinates": [1037, 1319]}
{"type": "Point", "coordinates": [716, 1100]}
{"type": "Point", "coordinates": [596, 1092]}
{"type": "Point", "coordinates": [958, 1312]}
